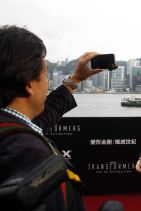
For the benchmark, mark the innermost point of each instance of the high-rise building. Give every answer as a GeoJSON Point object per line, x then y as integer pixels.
{"type": "Point", "coordinates": [130, 64]}
{"type": "Point", "coordinates": [57, 80]}
{"type": "Point", "coordinates": [136, 77]}
{"type": "Point", "coordinates": [118, 79]}
{"type": "Point", "coordinates": [107, 75]}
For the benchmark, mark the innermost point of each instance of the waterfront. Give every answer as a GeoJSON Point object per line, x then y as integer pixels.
{"type": "Point", "coordinates": [103, 105]}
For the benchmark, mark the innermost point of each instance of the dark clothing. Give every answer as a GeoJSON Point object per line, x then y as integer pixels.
{"type": "Point", "coordinates": [21, 152]}
{"type": "Point", "coordinates": [58, 103]}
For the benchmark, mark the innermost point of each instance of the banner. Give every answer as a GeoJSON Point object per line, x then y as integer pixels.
{"type": "Point", "coordinates": [104, 151]}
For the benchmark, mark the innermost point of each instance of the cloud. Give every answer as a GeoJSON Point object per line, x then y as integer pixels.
{"type": "Point", "coordinates": [69, 28]}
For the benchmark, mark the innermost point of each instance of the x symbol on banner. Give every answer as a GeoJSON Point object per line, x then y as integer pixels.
{"type": "Point", "coordinates": [67, 153]}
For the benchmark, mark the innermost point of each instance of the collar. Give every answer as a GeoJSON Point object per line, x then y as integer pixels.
{"type": "Point", "coordinates": [24, 118]}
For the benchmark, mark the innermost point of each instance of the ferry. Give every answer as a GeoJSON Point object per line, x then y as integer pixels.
{"type": "Point", "coordinates": [131, 101]}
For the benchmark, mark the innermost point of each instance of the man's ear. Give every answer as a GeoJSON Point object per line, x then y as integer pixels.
{"type": "Point", "coordinates": [29, 88]}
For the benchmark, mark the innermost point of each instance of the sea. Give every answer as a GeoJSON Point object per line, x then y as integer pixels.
{"type": "Point", "coordinates": [103, 105]}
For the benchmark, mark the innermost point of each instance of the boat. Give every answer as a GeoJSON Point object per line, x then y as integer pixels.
{"type": "Point", "coordinates": [132, 101]}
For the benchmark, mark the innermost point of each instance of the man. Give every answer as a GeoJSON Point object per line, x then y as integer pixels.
{"type": "Point", "coordinates": [23, 98]}
{"type": "Point", "coordinates": [138, 165]}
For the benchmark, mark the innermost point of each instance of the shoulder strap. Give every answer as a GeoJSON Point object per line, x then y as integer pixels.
{"type": "Point", "coordinates": [7, 128]}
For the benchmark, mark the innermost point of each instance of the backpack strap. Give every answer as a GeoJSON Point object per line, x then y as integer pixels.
{"type": "Point", "coordinates": [66, 173]}
{"type": "Point", "coordinates": [7, 128]}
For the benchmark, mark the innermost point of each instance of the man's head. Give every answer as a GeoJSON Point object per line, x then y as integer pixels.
{"type": "Point", "coordinates": [111, 205]}
{"type": "Point", "coordinates": [21, 61]}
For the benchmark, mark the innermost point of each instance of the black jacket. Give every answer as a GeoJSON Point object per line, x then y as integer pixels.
{"type": "Point", "coordinates": [21, 152]}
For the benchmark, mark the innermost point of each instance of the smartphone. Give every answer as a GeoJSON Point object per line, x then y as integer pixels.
{"type": "Point", "coordinates": [104, 61]}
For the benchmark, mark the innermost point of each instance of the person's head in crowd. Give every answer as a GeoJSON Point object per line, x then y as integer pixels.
{"type": "Point", "coordinates": [22, 69]}
{"type": "Point", "coordinates": [111, 205]}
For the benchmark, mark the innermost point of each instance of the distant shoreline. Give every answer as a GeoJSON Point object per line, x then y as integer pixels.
{"type": "Point", "coordinates": [135, 93]}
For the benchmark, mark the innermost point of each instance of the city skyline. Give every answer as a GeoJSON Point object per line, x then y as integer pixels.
{"type": "Point", "coordinates": [126, 78]}
{"type": "Point", "coordinates": [70, 28]}
{"type": "Point", "coordinates": [64, 59]}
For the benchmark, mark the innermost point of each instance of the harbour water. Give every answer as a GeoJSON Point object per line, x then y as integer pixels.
{"type": "Point", "coordinates": [103, 105]}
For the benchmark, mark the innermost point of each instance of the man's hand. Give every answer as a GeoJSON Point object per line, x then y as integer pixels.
{"type": "Point", "coordinates": [138, 165]}
{"type": "Point", "coordinates": [82, 71]}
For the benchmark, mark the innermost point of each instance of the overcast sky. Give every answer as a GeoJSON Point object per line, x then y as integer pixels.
{"type": "Point", "coordinates": [71, 27]}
